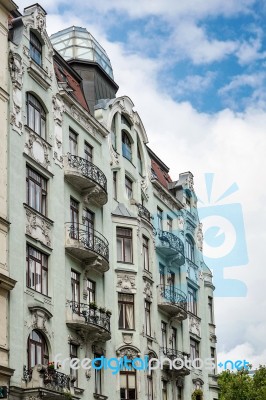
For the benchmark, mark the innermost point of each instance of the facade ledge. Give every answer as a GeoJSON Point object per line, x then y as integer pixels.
{"type": "Point", "coordinates": [39, 310]}
{"type": "Point", "coordinates": [39, 75]}
{"type": "Point", "coordinates": [6, 371]}
{"type": "Point", "coordinates": [6, 282]}
{"type": "Point", "coordinates": [38, 226]}
{"type": "Point", "coordinates": [4, 224]}
{"type": "Point", "coordinates": [165, 196]}
{"type": "Point", "coordinates": [100, 396]}
{"type": "Point", "coordinates": [172, 301]}
{"type": "Point", "coordinates": [3, 94]}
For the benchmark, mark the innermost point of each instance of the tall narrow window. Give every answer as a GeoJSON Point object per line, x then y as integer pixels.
{"type": "Point", "coordinates": [88, 152]}
{"type": "Point", "coordinates": [115, 185]}
{"type": "Point", "coordinates": [164, 390]}
{"type": "Point", "coordinates": [36, 116]}
{"type": "Point", "coordinates": [129, 187]}
{"type": "Point", "coordinates": [73, 143]}
{"type": "Point", "coordinates": [174, 340]}
{"type": "Point", "coordinates": [128, 385]}
{"type": "Point", "coordinates": [194, 349]}
{"type": "Point", "coordinates": [124, 245]}
{"type": "Point", "coordinates": [37, 349]}
{"type": "Point", "coordinates": [164, 334]}
{"type": "Point", "coordinates": [145, 248]}
{"type": "Point", "coordinates": [126, 311]}
{"type": "Point", "coordinates": [190, 248]}
{"type": "Point", "coordinates": [91, 288]}
{"type": "Point", "coordinates": [192, 300]}
{"type": "Point", "coordinates": [179, 393]}
{"type": "Point", "coordinates": [160, 219]}
{"type": "Point", "coordinates": [162, 276]}
{"type": "Point", "coordinates": [139, 160]}
{"type": "Point", "coordinates": [150, 384]}
{"type": "Point", "coordinates": [147, 306]}
{"type": "Point", "coordinates": [171, 283]}
{"type": "Point", "coordinates": [210, 306]}
{"type": "Point", "coordinates": [74, 219]}
{"type": "Point", "coordinates": [213, 356]}
{"type": "Point", "coordinates": [88, 221]}
{"type": "Point", "coordinates": [126, 146]}
{"type": "Point", "coordinates": [98, 375]}
{"type": "Point", "coordinates": [36, 191]}
{"type": "Point", "coordinates": [37, 270]}
{"type": "Point", "coordinates": [75, 288]}
{"type": "Point", "coordinates": [113, 132]}
{"type": "Point", "coordinates": [74, 355]}
{"type": "Point", "coordinates": [35, 49]}
{"type": "Point", "coordinates": [169, 224]}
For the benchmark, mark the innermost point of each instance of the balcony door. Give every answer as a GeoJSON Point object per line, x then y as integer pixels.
{"type": "Point", "coordinates": [74, 219]}
{"type": "Point", "coordinates": [88, 221]}
{"type": "Point", "coordinates": [171, 283]}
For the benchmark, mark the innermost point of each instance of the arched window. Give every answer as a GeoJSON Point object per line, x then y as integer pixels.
{"type": "Point", "coordinates": [35, 49]}
{"type": "Point", "coordinates": [113, 132]}
{"type": "Point", "coordinates": [36, 116]}
{"type": "Point", "coordinates": [139, 160]}
{"type": "Point", "coordinates": [126, 146]}
{"type": "Point", "coordinates": [125, 121]}
{"type": "Point", "coordinates": [190, 248]}
{"type": "Point", "coordinates": [37, 349]}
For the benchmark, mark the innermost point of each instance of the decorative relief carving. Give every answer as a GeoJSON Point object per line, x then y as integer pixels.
{"type": "Point", "coordinates": [38, 149]}
{"type": "Point", "coordinates": [199, 237]}
{"type": "Point", "coordinates": [192, 271]}
{"type": "Point", "coordinates": [58, 150]}
{"type": "Point", "coordinates": [38, 227]}
{"type": "Point", "coordinates": [194, 325]}
{"type": "Point", "coordinates": [15, 119]}
{"type": "Point", "coordinates": [148, 290]}
{"type": "Point", "coordinates": [126, 282]}
{"type": "Point", "coordinates": [58, 109]}
{"type": "Point", "coordinates": [180, 222]}
{"type": "Point", "coordinates": [144, 187]}
{"type": "Point", "coordinates": [130, 352]}
{"type": "Point", "coordinates": [16, 69]}
{"type": "Point", "coordinates": [190, 182]}
{"type": "Point", "coordinates": [82, 119]}
{"type": "Point", "coordinates": [40, 319]}
{"type": "Point", "coordinates": [127, 338]}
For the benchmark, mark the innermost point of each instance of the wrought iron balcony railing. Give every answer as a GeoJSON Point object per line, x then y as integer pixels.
{"type": "Point", "coordinates": [172, 295]}
{"type": "Point", "coordinates": [90, 238]}
{"type": "Point", "coordinates": [87, 169]}
{"type": "Point", "coordinates": [91, 315]}
{"type": "Point", "coordinates": [43, 375]}
{"type": "Point", "coordinates": [171, 240]}
{"type": "Point", "coordinates": [173, 353]}
{"type": "Point", "coordinates": [144, 213]}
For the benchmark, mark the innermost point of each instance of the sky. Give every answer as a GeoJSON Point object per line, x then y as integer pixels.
{"type": "Point", "coordinates": [195, 71]}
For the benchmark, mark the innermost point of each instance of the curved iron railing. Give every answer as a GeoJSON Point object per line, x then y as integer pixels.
{"type": "Point", "coordinates": [172, 295]}
{"type": "Point", "coordinates": [88, 169]}
{"type": "Point", "coordinates": [172, 240]}
{"type": "Point", "coordinates": [91, 316]}
{"type": "Point", "coordinates": [173, 353]}
{"type": "Point", "coordinates": [56, 379]}
{"type": "Point", "coordinates": [144, 213]}
{"type": "Point", "coordinates": [90, 238]}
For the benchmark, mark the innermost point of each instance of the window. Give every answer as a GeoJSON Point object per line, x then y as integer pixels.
{"type": "Point", "coordinates": [37, 270]}
{"type": "Point", "coordinates": [128, 387]}
{"type": "Point", "coordinates": [36, 191]}
{"type": "Point", "coordinates": [160, 219]}
{"type": "Point", "coordinates": [124, 245]}
{"type": "Point", "coordinates": [74, 355]}
{"type": "Point", "coordinates": [213, 356]}
{"type": "Point", "coordinates": [35, 49]}
{"type": "Point", "coordinates": [73, 143]}
{"type": "Point", "coordinates": [147, 305]}
{"type": "Point", "coordinates": [88, 152]}
{"type": "Point", "coordinates": [145, 247]}
{"type": "Point", "coordinates": [126, 146]}
{"type": "Point", "coordinates": [171, 283]}
{"type": "Point", "coordinates": [37, 349]}
{"type": "Point", "coordinates": [179, 393]}
{"type": "Point", "coordinates": [98, 375]}
{"type": "Point", "coordinates": [88, 221]}
{"type": "Point", "coordinates": [162, 275]}
{"type": "Point", "coordinates": [164, 390]}
{"type": "Point", "coordinates": [174, 340]}
{"type": "Point", "coordinates": [164, 334]}
{"type": "Point", "coordinates": [91, 288]}
{"type": "Point", "coordinates": [36, 116]}
{"type": "Point", "coordinates": [74, 219]}
{"type": "Point", "coordinates": [192, 300]}
{"type": "Point", "coordinates": [150, 384]}
{"type": "Point", "coordinates": [139, 160]}
{"type": "Point", "coordinates": [126, 311]}
{"type": "Point", "coordinates": [113, 132]}
{"type": "Point", "coordinates": [188, 203]}
{"type": "Point", "coordinates": [129, 188]}
{"type": "Point", "coordinates": [75, 288]}
{"type": "Point", "coordinates": [194, 350]}
{"type": "Point", "coordinates": [169, 224]}
{"type": "Point", "coordinates": [115, 185]}
{"type": "Point", "coordinates": [190, 248]}
{"type": "Point", "coordinates": [125, 121]}
{"type": "Point", "coordinates": [210, 306]}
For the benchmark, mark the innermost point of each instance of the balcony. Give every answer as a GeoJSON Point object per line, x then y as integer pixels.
{"type": "Point", "coordinates": [180, 364]}
{"type": "Point", "coordinates": [49, 382]}
{"type": "Point", "coordinates": [173, 302]}
{"type": "Point", "coordinates": [88, 246]}
{"type": "Point", "coordinates": [85, 177]}
{"type": "Point", "coordinates": [169, 244]}
{"type": "Point", "coordinates": [144, 213]}
{"type": "Point", "coordinates": [89, 319]}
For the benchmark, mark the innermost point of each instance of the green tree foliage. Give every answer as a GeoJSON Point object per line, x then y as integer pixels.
{"type": "Point", "coordinates": [241, 386]}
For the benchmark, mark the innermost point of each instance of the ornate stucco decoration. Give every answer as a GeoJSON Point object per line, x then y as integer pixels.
{"type": "Point", "coordinates": [38, 227]}
{"type": "Point", "coordinates": [194, 325]}
{"type": "Point", "coordinates": [193, 271]}
{"type": "Point", "coordinates": [114, 160]}
{"type": "Point", "coordinates": [199, 237]}
{"type": "Point", "coordinates": [16, 69]}
{"type": "Point", "coordinates": [58, 109]}
{"type": "Point", "coordinates": [126, 283]}
{"type": "Point", "coordinates": [190, 181]}
{"type": "Point", "coordinates": [40, 319]}
{"type": "Point", "coordinates": [15, 117]}
{"type": "Point", "coordinates": [148, 290]}
{"type": "Point", "coordinates": [180, 223]}
{"type": "Point", "coordinates": [38, 149]}
{"type": "Point", "coordinates": [144, 187]}
{"type": "Point", "coordinates": [129, 351]}
{"type": "Point", "coordinates": [127, 338]}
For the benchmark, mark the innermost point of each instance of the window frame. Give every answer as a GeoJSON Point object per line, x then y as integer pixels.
{"type": "Point", "coordinates": [73, 142]}
{"type": "Point", "coordinates": [32, 122]}
{"type": "Point", "coordinates": [91, 291]}
{"type": "Point", "coordinates": [72, 355]}
{"type": "Point", "coordinates": [115, 185]}
{"type": "Point", "coordinates": [88, 152]}
{"type": "Point", "coordinates": [160, 218]}
{"type": "Point", "coordinates": [126, 146]}
{"type": "Point", "coordinates": [42, 344]}
{"type": "Point", "coordinates": [147, 314]}
{"type": "Point", "coordinates": [164, 334]}
{"type": "Point", "coordinates": [190, 249]}
{"type": "Point", "coordinates": [35, 48]}
{"type": "Point", "coordinates": [210, 307]}
{"type": "Point", "coordinates": [146, 255]}
{"type": "Point", "coordinates": [192, 296]}
{"type": "Point", "coordinates": [194, 350]}
{"type": "Point", "coordinates": [127, 373]}
{"type": "Point", "coordinates": [169, 224]}
{"type": "Point", "coordinates": [43, 261]}
{"type": "Point", "coordinates": [123, 238]}
{"type": "Point", "coordinates": [33, 184]}
{"type": "Point", "coordinates": [124, 304]}
{"type": "Point", "coordinates": [98, 376]}
{"type": "Point", "coordinates": [129, 187]}
{"type": "Point", "coordinates": [75, 287]}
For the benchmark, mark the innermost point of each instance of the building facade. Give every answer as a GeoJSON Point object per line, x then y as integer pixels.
{"type": "Point", "coordinates": [7, 283]}
{"type": "Point", "coordinates": [105, 247]}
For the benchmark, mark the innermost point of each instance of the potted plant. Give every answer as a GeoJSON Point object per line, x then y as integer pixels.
{"type": "Point", "coordinates": [102, 310]}
{"type": "Point", "coordinates": [93, 306]}
{"type": "Point", "coordinates": [108, 313]}
{"type": "Point", "coordinates": [197, 395]}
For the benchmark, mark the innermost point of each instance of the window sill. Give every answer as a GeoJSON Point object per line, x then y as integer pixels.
{"type": "Point", "coordinates": [39, 75]}
{"type": "Point", "coordinates": [100, 396]}
{"type": "Point", "coordinates": [42, 298]}
{"type": "Point", "coordinates": [38, 213]}
{"type": "Point", "coordinates": [37, 135]}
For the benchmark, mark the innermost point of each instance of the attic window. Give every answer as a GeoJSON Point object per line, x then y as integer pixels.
{"type": "Point", "coordinates": [35, 49]}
